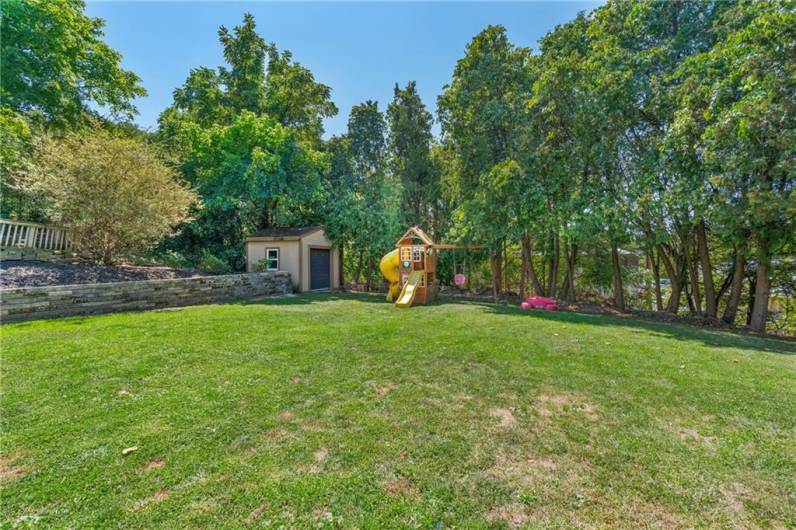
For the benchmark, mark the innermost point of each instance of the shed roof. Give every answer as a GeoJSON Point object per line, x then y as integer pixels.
{"type": "Point", "coordinates": [285, 231]}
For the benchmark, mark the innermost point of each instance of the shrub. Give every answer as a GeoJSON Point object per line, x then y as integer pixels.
{"type": "Point", "coordinates": [261, 265]}
{"type": "Point", "coordinates": [114, 193]}
{"type": "Point", "coordinates": [212, 264]}
{"type": "Point", "coordinates": [173, 259]}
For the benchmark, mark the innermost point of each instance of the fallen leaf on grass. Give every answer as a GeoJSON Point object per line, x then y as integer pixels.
{"type": "Point", "coordinates": [127, 450]}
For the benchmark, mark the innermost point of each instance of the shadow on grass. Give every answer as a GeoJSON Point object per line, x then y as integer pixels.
{"type": "Point", "coordinates": [683, 332]}
{"type": "Point", "coordinates": [711, 337]}
{"type": "Point", "coordinates": [314, 298]}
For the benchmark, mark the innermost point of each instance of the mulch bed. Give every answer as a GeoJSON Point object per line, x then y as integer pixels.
{"type": "Point", "coordinates": [43, 273]}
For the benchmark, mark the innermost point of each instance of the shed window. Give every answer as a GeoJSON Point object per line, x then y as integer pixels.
{"type": "Point", "coordinates": [272, 259]}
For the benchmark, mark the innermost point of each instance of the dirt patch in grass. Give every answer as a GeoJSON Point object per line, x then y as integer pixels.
{"type": "Point", "coordinates": [506, 416]}
{"type": "Point", "coordinates": [556, 404]}
{"type": "Point", "coordinates": [523, 470]}
{"type": "Point", "coordinates": [384, 389]}
{"type": "Point", "coordinates": [401, 487]}
{"type": "Point", "coordinates": [637, 513]}
{"type": "Point", "coordinates": [255, 513]}
{"type": "Point", "coordinates": [9, 470]}
{"type": "Point", "coordinates": [689, 434]}
{"type": "Point", "coordinates": [732, 496]}
{"type": "Point", "coordinates": [686, 432]}
{"type": "Point", "coordinates": [514, 515]}
{"type": "Point", "coordinates": [154, 464]}
{"type": "Point", "coordinates": [295, 379]}
{"type": "Point", "coordinates": [286, 415]}
{"type": "Point", "coordinates": [123, 392]}
{"type": "Point", "coordinates": [545, 463]}
{"type": "Point", "coordinates": [311, 426]}
{"type": "Point", "coordinates": [319, 457]}
{"type": "Point", "coordinates": [275, 434]}
{"type": "Point", "coordinates": [161, 495]}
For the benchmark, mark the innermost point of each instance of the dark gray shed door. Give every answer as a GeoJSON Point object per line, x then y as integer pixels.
{"type": "Point", "coordinates": [319, 268]}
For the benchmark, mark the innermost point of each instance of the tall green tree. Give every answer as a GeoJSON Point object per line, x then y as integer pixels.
{"type": "Point", "coordinates": [57, 75]}
{"type": "Point", "coordinates": [251, 174]}
{"type": "Point", "coordinates": [410, 141]}
{"type": "Point", "coordinates": [376, 197]}
{"type": "Point", "coordinates": [56, 64]}
{"type": "Point", "coordinates": [747, 84]}
{"type": "Point", "coordinates": [483, 112]}
{"type": "Point", "coordinates": [259, 79]}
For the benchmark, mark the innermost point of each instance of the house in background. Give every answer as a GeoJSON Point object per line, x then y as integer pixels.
{"type": "Point", "coordinates": [306, 253]}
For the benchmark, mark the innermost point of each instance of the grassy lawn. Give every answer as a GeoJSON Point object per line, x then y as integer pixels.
{"type": "Point", "coordinates": [323, 411]}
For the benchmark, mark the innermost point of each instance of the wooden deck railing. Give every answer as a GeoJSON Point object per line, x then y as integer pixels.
{"type": "Point", "coordinates": [20, 235]}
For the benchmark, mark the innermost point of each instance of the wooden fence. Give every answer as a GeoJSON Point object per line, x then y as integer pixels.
{"type": "Point", "coordinates": [19, 235]}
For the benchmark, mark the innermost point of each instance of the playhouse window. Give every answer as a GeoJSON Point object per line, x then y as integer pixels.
{"type": "Point", "coordinates": [406, 253]}
{"type": "Point", "coordinates": [417, 254]}
{"type": "Point", "coordinates": [272, 259]}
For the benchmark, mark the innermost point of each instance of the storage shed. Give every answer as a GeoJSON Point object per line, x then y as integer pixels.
{"type": "Point", "coordinates": [306, 253]}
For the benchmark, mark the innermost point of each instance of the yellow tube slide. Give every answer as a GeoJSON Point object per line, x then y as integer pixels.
{"type": "Point", "coordinates": [390, 266]}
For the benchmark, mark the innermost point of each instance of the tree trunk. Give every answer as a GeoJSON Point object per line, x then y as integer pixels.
{"type": "Point", "coordinates": [619, 296]}
{"type": "Point", "coordinates": [751, 304]}
{"type": "Point", "coordinates": [694, 298]}
{"type": "Point", "coordinates": [505, 267]}
{"type": "Point", "coordinates": [523, 271]}
{"type": "Point", "coordinates": [675, 279]}
{"type": "Point", "coordinates": [369, 276]}
{"type": "Point", "coordinates": [655, 264]}
{"type": "Point", "coordinates": [494, 263]}
{"type": "Point", "coordinates": [360, 264]}
{"type": "Point", "coordinates": [341, 267]}
{"type": "Point", "coordinates": [762, 289]}
{"type": "Point", "coordinates": [739, 272]}
{"type": "Point", "coordinates": [711, 304]}
{"type": "Point", "coordinates": [568, 286]}
{"type": "Point", "coordinates": [527, 254]}
{"type": "Point", "coordinates": [552, 273]}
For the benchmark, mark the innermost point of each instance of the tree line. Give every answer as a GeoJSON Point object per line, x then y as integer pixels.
{"type": "Point", "coordinates": [658, 132]}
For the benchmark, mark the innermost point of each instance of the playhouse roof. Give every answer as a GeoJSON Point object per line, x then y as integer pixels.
{"type": "Point", "coordinates": [417, 232]}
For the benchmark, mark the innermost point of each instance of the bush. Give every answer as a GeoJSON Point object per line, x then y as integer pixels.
{"type": "Point", "coordinates": [212, 264]}
{"type": "Point", "coordinates": [114, 193]}
{"type": "Point", "coordinates": [261, 266]}
{"type": "Point", "coordinates": [173, 259]}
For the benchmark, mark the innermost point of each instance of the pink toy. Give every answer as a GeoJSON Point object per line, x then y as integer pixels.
{"type": "Point", "coordinates": [540, 302]}
{"type": "Point", "coordinates": [459, 280]}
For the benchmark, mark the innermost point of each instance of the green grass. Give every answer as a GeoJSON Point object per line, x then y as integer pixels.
{"type": "Point", "coordinates": [324, 411]}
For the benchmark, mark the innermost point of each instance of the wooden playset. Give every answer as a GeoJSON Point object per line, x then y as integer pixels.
{"type": "Point", "coordinates": [411, 269]}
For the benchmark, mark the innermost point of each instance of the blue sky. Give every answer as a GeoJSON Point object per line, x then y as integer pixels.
{"type": "Point", "coordinates": [359, 49]}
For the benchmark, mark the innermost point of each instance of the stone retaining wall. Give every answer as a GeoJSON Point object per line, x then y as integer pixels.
{"type": "Point", "coordinates": [28, 303]}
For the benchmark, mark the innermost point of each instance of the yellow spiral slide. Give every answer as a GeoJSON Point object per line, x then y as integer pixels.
{"type": "Point", "coordinates": [390, 266]}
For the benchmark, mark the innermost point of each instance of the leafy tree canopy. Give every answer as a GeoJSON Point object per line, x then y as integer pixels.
{"type": "Point", "coordinates": [56, 64]}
